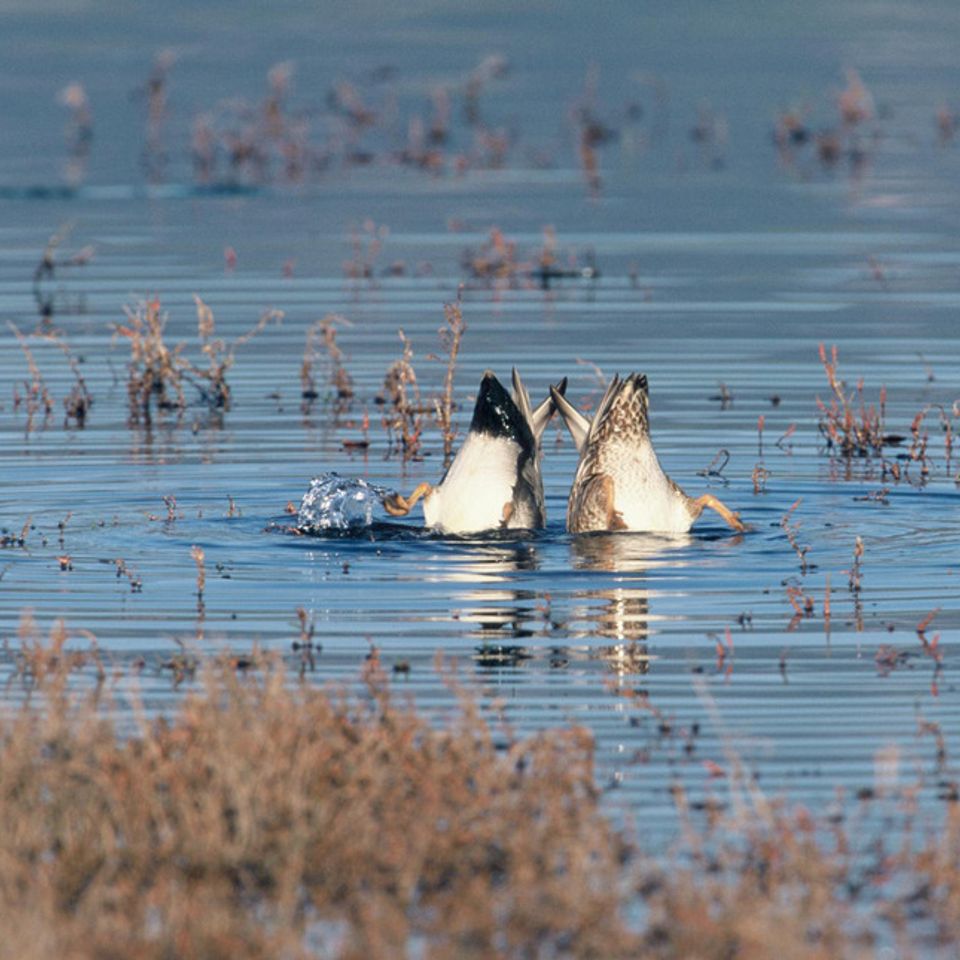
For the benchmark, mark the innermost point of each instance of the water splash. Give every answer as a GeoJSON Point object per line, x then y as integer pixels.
{"type": "Point", "coordinates": [338, 503]}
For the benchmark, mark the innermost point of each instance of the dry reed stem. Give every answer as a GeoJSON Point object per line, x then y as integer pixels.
{"type": "Point", "coordinates": [855, 573]}
{"type": "Point", "coordinates": [154, 368]}
{"type": "Point", "coordinates": [199, 559]}
{"type": "Point", "coordinates": [135, 581]}
{"type": "Point", "coordinates": [220, 353]}
{"type": "Point", "coordinates": [920, 438]}
{"type": "Point", "coordinates": [402, 392]}
{"type": "Point", "coordinates": [792, 531]}
{"type": "Point", "coordinates": [37, 396]}
{"type": "Point", "coordinates": [450, 337]}
{"type": "Point", "coordinates": [759, 477]}
{"type": "Point", "coordinates": [826, 607]}
{"type": "Point", "coordinates": [78, 402]}
{"type": "Point", "coordinates": [323, 333]}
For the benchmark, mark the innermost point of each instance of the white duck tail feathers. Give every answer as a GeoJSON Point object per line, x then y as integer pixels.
{"type": "Point", "coordinates": [536, 418]}
{"type": "Point", "coordinates": [494, 480]}
{"type": "Point", "coordinates": [543, 414]}
{"type": "Point", "coordinates": [577, 423]}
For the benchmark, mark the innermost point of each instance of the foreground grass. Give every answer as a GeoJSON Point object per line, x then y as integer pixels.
{"type": "Point", "coordinates": [267, 818]}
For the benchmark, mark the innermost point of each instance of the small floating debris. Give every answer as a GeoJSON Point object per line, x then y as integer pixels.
{"type": "Point", "coordinates": [338, 503]}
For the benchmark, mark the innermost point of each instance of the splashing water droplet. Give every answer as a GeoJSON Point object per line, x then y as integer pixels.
{"type": "Point", "coordinates": [338, 503]}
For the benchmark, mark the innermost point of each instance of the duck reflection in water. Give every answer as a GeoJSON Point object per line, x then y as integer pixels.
{"type": "Point", "coordinates": [623, 614]}
{"type": "Point", "coordinates": [500, 615]}
{"type": "Point", "coordinates": [514, 622]}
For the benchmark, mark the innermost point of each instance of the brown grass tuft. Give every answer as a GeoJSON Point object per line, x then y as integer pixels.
{"type": "Point", "coordinates": [848, 424]}
{"type": "Point", "coordinates": [157, 372]}
{"type": "Point", "coordinates": [403, 418]}
{"type": "Point", "coordinates": [322, 333]}
{"type": "Point", "coordinates": [264, 817]}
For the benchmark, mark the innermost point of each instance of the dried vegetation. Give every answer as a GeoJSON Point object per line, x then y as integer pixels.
{"type": "Point", "coordinates": [404, 406]}
{"type": "Point", "coordinates": [36, 399]}
{"type": "Point", "coordinates": [265, 817]}
{"type": "Point", "coordinates": [855, 427]}
{"type": "Point", "coordinates": [322, 339]}
{"type": "Point", "coordinates": [849, 424]}
{"type": "Point", "coordinates": [157, 372]}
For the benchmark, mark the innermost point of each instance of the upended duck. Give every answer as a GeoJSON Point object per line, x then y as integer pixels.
{"type": "Point", "coordinates": [619, 484]}
{"type": "Point", "coordinates": [494, 481]}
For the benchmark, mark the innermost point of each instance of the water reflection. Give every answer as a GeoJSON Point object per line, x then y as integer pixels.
{"type": "Point", "coordinates": [620, 612]}
{"type": "Point", "coordinates": [502, 614]}
{"type": "Point", "coordinates": [516, 612]}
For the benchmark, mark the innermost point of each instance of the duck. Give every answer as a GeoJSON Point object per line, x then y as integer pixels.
{"type": "Point", "coordinates": [619, 483]}
{"type": "Point", "coordinates": [494, 481]}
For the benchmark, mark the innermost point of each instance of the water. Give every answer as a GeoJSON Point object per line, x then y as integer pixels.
{"type": "Point", "coordinates": [338, 503]}
{"type": "Point", "coordinates": [717, 262]}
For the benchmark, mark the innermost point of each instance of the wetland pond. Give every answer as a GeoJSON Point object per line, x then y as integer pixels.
{"type": "Point", "coordinates": [703, 199]}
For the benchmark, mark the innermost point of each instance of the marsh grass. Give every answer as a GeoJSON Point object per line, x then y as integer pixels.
{"type": "Point", "coordinates": [499, 263]}
{"type": "Point", "coordinates": [267, 817]}
{"type": "Point", "coordinates": [403, 407]}
{"type": "Point", "coordinates": [451, 335]}
{"type": "Point", "coordinates": [158, 372]}
{"type": "Point", "coordinates": [78, 401]}
{"type": "Point", "coordinates": [322, 338]}
{"type": "Point", "coordinates": [36, 397]}
{"type": "Point", "coordinates": [848, 423]}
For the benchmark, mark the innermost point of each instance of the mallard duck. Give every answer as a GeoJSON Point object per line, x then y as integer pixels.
{"type": "Point", "coordinates": [494, 480]}
{"type": "Point", "coordinates": [619, 484]}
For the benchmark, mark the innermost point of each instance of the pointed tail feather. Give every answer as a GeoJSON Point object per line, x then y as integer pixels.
{"type": "Point", "coordinates": [577, 423]}
{"type": "Point", "coordinates": [546, 410]}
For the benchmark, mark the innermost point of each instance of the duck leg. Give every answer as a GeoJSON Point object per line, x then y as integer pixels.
{"type": "Point", "coordinates": [709, 500]}
{"type": "Point", "coordinates": [399, 506]}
